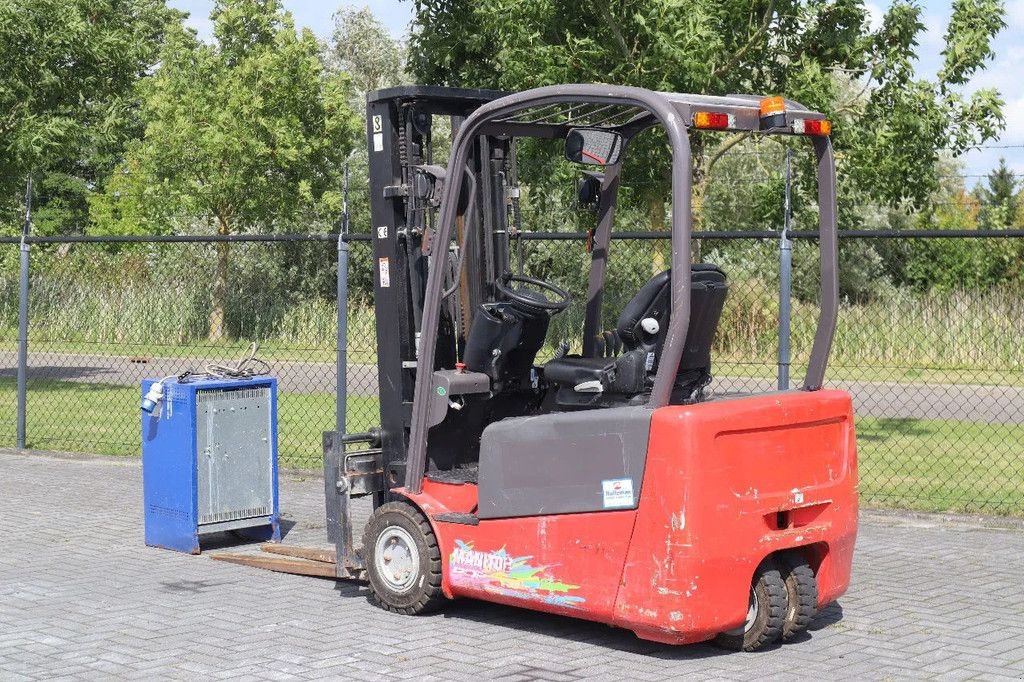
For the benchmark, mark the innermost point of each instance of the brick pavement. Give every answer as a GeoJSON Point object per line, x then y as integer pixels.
{"type": "Point", "coordinates": [82, 597]}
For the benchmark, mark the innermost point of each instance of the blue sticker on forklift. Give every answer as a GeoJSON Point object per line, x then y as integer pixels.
{"type": "Point", "coordinates": [618, 492]}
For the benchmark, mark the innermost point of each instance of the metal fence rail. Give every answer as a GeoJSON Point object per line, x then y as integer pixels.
{"type": "Point", "coordinates": [937, 378]}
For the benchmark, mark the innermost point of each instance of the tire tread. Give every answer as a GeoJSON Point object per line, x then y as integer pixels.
{"type": "Point", "coordinates": [802, 585]}
{"type": "Point", "coordinates": [768, 577]}
{"type": "Point", "coordinates": [777, 606]}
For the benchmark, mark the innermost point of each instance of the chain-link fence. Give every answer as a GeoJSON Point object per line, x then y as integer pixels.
{"type": "Point", "coordinates": [936, 371]}
{"type": "Point", "coordinates": [106, 315]}
{"type": "Point", "coordinates": [937, 374]}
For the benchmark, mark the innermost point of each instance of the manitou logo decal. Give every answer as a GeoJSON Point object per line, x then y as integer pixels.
{"type": "Point", "coordinates": [485, 561]}
{"type": "Point", "coordinates": [498, 572]}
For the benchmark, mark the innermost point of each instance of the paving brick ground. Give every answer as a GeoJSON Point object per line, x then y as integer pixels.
{"type": "Point", "coordinates": [82, 597]}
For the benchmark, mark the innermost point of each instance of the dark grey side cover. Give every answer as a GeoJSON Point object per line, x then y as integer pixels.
{"type": "Point", "coordinates": [561, 463]}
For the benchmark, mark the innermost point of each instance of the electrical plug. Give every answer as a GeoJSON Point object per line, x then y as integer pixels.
{"type": "Point", "coordinates": [153, 397]}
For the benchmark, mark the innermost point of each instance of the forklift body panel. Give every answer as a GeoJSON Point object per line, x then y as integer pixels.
{"type": "Point", "coordinates": [548, 463]}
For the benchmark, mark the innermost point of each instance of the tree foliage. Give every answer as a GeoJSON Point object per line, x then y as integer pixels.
{"type": "Point", "coordinates": [891, 124]}
{"type": "Point", "coordinates": [363, 48]}
{"type": "Point", "coordinates": [248, 132]}
{"type": "Point", "coordinates": [999, 199]}
{"type": "Point", "coordinates": [67, 95]}
{"type": "Point", "coordinates": [952, 264]}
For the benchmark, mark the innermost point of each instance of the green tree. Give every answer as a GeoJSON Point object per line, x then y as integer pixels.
{"type": "Point", "coordinates": [362, 47]}
{"type": "Point", "coordinates": [951, 264]}
{"type": "Point", "coordinates": [248, 133]}
{"type": "Point", "coordinates": [67, 95]}
{"type": "Point", "coordinates": [999, 198]}
{"type": "Point", "coordinates": [890, 123]}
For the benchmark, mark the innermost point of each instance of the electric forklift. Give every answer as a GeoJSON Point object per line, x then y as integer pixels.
{"type": "Point", "coordinates": [606, 484]}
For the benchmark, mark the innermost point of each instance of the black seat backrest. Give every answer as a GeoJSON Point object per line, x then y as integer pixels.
{"type": "Point", "coordinates": [707, 299]}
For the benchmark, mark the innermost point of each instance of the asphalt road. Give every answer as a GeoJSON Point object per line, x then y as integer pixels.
{"type": "Point", "coordinates": [989, 404]}
{"type": "Point", "coordinates": [294, 377]}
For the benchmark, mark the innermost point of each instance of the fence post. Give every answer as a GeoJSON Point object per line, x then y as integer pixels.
{"type": "Point", "coordinates": [785, 283]}
{"type": "Point", "coordinates": [340, 400]}
{"type": "Point", "coordinates": [23, 317]}
{"type": "Point", "coordinates": [335, 451]}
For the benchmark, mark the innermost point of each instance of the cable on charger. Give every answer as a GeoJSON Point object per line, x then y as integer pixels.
{"type": "Point", "coordinates": [248, 366]}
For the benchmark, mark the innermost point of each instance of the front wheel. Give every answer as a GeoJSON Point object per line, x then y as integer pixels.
{"type": "Point", "coordinates": [766, 613]}
{"type": "Point", "coordinates": [403, 562]}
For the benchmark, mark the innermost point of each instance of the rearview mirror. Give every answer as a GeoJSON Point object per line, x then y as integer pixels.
{"type": "Point", "coordinates": [593, 146]}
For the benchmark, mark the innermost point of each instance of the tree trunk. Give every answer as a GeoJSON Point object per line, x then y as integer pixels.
{"type": "Point", "coordinates": [218, 297]}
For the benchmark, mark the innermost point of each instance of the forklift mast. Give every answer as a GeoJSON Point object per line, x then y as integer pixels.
{"type": "Point", "coordinates": [405, 189]}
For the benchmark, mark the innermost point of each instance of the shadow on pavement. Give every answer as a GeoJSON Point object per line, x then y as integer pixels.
{"type": "Point", "coordinates": [597, 634]}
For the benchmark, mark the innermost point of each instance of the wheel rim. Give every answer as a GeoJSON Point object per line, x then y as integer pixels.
{"type": "Point", "coordinates": [752, 609]}
{"type": "Point", "coordinates": [396, 559]}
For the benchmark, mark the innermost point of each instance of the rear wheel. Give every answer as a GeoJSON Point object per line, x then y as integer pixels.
{"type": "Point", "coordinates": [403, 562]}
{"type": "Point", "coordinates": [801, 592]}
{"type": "Point", "coordinates": [766, 613]}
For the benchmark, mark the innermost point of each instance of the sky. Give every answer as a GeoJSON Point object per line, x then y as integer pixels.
{"type": "Point", "coordinates": [1005, 72]}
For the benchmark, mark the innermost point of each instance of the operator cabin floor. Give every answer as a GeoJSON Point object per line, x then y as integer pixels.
{"type": "Point", "coordinates": [464, 473]}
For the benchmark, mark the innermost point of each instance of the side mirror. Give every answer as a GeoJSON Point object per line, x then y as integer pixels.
{"type": "Point", "coordinates": [593, 146]}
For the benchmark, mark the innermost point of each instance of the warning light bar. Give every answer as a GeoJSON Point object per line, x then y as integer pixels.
{"type": "Point", "coordinates": [713, 120]}
{"type": "Point", "coordinates": [803, 126]}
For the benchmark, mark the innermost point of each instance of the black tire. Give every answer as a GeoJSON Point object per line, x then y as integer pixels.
{"type": "Point", "coordinates": [768, 611]}
{"type": "Point", "coordinates": [801, 592]}
{"type": "Point", "coordinates": [412, 585]}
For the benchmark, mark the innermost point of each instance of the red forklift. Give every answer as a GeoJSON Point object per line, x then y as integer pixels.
{"type": "Point", "coordinates": [606, 484]}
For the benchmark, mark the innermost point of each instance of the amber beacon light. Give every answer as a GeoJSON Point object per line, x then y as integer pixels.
{"type": "Point", "coordinates": [773, 113]}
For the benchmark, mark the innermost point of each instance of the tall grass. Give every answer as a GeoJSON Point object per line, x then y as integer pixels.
{"type": "Point", "coordinates": [961, 329]}
{"type": "Point", "coordinates": [169, 313]}
{"type": "Point", "coordinates": [967, 329]}
{"type": "Point", "coordinates": [8, 304]}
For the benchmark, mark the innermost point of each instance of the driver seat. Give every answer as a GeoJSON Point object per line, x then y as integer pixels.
{"type": "Point", "coordinates": [629, 354]}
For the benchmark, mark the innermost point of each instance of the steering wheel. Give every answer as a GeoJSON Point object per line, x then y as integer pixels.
{"type": "Point", "coordinates": [532, 299]}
